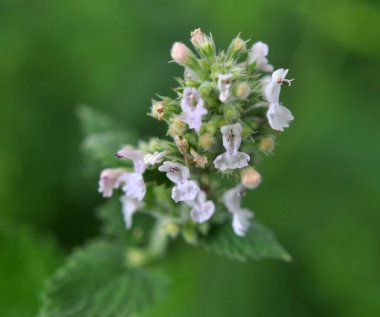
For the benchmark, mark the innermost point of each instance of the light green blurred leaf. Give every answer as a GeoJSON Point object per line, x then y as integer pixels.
{"type": "Point", "coordinates": [95, 282]}
{"type": "Point", "coordinates": [259, 243]}
{"type": "Point", "coordinates": [103, 137]}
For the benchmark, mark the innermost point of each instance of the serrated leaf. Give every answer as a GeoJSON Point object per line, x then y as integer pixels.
{"type": "Point", "coordinates": [95, 282]}
{"type": "Point", "coordinates": [103, 137]}
{"type": "Point", "coordinates": [113, 225]}
{"type": "Point", "coordinates": [101, 147]}
{"type": "Point", "coordinates": [93, 121]}
{"type": "Point", "coordinates": [259, 243]}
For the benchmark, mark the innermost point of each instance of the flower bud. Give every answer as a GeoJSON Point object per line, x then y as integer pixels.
{"type": "Point", "coordinates": [190, 236]}
{"type": "Point", "coordinates": [230, 113]}
{"type": "Point", "coordinates": [242, 90]}
{"type": "Point", "coordinates": [137, 257]}
{"type": "Point", "coordinates": [200, 160]}
{"type": "Point", "coordinates": [198, 38]}
{"type": "Point", "coordinates": [158, 110]}
{"type": "Point", "coordinates": [171, 229]}
{"type": "Point", "coordinates": [180, 53]}
{"type": "Point", "coordinates": [176, 127]}
{"type": "Point", "coordinates": [206, 141]}
{"type": "Point", "coordinates": [236, 47]}
{"type": "Point", "coordinates": [266, 145]}
{"type": "Point", "coordinates": [250, 178]}
{"type": "Point", "coordinates": [203, 43]}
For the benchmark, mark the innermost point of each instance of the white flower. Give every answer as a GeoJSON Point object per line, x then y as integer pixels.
{"type": "Point", "coordinates": [241, 221]}
{"type": "Point", "coordinates": [231, 159]}
{"type": "Point", "coordinates": [136, 156]}
{"type": "Point", "coordinates": [273, 87]}
{"type": "Point", "coordinates": [202, 209]}
{"type": "Point", "coordinates": [109, 180]}
{"type": "Point", "coordinates": [129, 207]}
{"type": "Point", "coordinates": [224, 85]}
{"type": "Point", "coordinates": [258, 54]}
{"type": "Point", "coordinates": [186, 191]}
{"type": "Point", "coordinates": [279, 116]}
{"type": "Point", "coordinates": [177, 173]}
{"type": "Point", "coordinates": [134, 186]}
{"type": "Point", "coordinates": [240, 216]}
{"type": "Point", "coordinates": [155, 158]}
{"type": "Point", "coordinates": [192, 106]}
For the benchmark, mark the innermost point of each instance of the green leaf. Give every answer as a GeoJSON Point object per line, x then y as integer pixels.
{"type": "Point", "coordinates": [93, 121]}
{"type": "Point", "coordinates": [103, 137]}
{"type": "Point", "coordinates": [110, 215]}
{"type": "Point", "coordinates": [95, 282]}
{"type": "Point", "coordinates": [259, 243]}
{"type": "Point", "coordinates": [100, 148]}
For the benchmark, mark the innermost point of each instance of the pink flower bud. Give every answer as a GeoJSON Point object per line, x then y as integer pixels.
{"type": "Point", "coordinates": [180, 52]}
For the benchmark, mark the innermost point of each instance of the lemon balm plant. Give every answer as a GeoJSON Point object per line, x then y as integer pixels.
{"type": "Point", "coordinates": [220, 124]}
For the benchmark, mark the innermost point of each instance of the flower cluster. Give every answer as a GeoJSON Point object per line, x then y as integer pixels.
{"type": "Point", "coordinates": [221, 124]}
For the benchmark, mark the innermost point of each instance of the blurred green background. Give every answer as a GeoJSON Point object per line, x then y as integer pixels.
{"type": "Point", "coordinates": [320, 193]}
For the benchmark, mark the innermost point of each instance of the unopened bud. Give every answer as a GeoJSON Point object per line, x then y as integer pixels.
{"type": "Point", "coordinates": [206, 141]}
{"type": "Point", "coordinates": [158, 110]}
{"type": "Point", "coordinates": [242, 90]}
{"type": "Point", "coordinates": [200, 160]}
{"type": "Point", "coordinates": [203, 43]}
{"type": "Point", "coordinates": [171, 229]}
{"type": "Point", "coordinates": [236, 47]}
{"type": "Point", "coordinates": [239, 44]}
{"type": "Point", "coordinates": [176, 127]}
{"type": "Point", "coordinates": [180, 53]}
{"type": "Point", "coordinates": [137, 257]}
{"type": "Point", "coordinates": [198, 38]}
{"type": "Point", "coordinates": [190, 236]}
{"type": "Point", "coordinates": [266, 145]}
{"type": "Point", "coordinates": [250, 178]}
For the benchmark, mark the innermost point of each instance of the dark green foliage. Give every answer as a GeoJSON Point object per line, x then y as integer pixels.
{"type": "Point", "coordinates": [94, 282]}
{"type": "Point", "coordinates": [259, 243]}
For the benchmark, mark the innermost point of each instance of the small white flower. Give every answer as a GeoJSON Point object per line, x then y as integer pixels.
{"type": "Point", "coordinates": [240, 216]}
{"type": "Point", "coordinates": [258, 54]}
{"type": "Point", "coordinates": [241, 221]}
{"type": "Point", "coordinates": [202, 209]}
{"type": "Point", "coordinates": [186, 191]}
{"type": "Point", "coordinates": [134, 186]}
{"type": "Point", "coordinates": [273, 87]}
{"type": "Point", "coordinates": [224, 86]}
{"type": "Point", "coordinates": [109, 180]}
{"type": "Point", "coordinates": [193, 107]}
{"type": "Point", "coordinates": [231, 159]}
{"type": "Point", "coordinates": [129, 207]}
{"type": "Point", "coordinates": [177, 173]}
{"type": "Point", "coordinates": [136, 156]}
{"type": "Point", "coordinates": [155, 158]}
{"type": "Point", "coordinates": [279, 117]}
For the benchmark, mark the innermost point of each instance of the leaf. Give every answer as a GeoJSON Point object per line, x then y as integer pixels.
{"type": "Point", "coordinates": [100, 148]}
{"type": "Point", "coordinates": [259, 243]}
{"type": "Point", "coordinates": [95, 282]}
{"type": "Point", "coordinates": [93, 121]}
{"type": "Point", "coordinates": [103, 137]}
